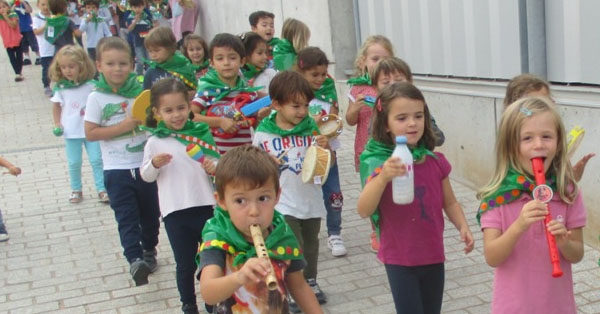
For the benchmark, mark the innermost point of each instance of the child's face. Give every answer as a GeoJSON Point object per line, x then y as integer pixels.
{"type": "Point", "coordinates": [159, 54]}
{"type": "Point", "coordinates": [4, 8]}
{"type": "Point", "coordinates": [115, 64]}
{"type": "Point", "coordinates": [249, 205]}
{"type": "Point", "coordinates": [315, 76]}
{"type": "Point", "coordinates": [227, 63]}
{"type": "Point", "coordinates": [195, 52]}
{"type": "Point", "coordinates": [173, 109]}
{"type": "Point", "coordinates": [89, 8]}
{"type": "Point", "coordinates": [407, 117]}
{"type": "Point", "coordinates": [389, 79]}
{"type": "Point", "coordinates": [43, 6]}
{"type": "Point", "coordinates": [259, 56]}
{"type": "Point", "coordinates": [68, 67]}
{"type": "Point", "coordinates": [538, 138]}
{"type": "Point", "coordinates": [374, 53]}
{"type": "Point", "coordinates": [290, 113]}
{"type": "Point", "coordinates": [265, 28]}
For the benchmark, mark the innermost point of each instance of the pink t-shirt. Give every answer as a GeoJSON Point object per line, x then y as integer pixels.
{"type": "Point", "coordinates": [412, 235]}
{"type": "Point", "coordinates": [11, 37]}
{"type": "Point", "coordinates": [523, 284]}
{"type": "Point", "coordinates": [364, 120]}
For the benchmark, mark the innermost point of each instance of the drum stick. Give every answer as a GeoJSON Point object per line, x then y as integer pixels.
{"type": "Point", "coordinates": [261, 252]}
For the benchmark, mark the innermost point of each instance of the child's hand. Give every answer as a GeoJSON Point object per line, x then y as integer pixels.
{"type": "Point", "coordinates": [559, 231]}
{"type": "Point", "coordinates": [263, 113]}
{"type": "Point", "coordinates": [467, 238]}
{"type": "Point", "coordinates": [130, 123]}
{"type": "Point", "coordinates": [228, 125]}
{"type": "Point", "coordinates": [209, 166]}
{"type": "Point", "coordinates": [580, 166]}
{"type": "Point", "coordinates": [254, 270]}
{"type": "Point", "coordinates": [532, 212]}
{"type": "Point", "coordinates": [322, 141]}
{"type": "Point", "coordinates": [360, 101]}
{"type": "Point", "coordinates": [393, 167]}
{"type": "Point", "coordinates": [15, 171]}
{"type": "Point", "coordinates": [161, 160]}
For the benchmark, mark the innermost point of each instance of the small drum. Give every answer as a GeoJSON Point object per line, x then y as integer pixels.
{"type": "Point", "coordinates": [316, 164]}
{"type": "Point", "coordinates": [574, 139]}
{"type": "Point", "coordinates": [330, 125]}
{"type": "Point", "coordinates": [141, 105]}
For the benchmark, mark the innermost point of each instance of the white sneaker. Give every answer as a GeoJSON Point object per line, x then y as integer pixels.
{"type": "Point", "coordinates": [336, 244]}
{"type": "Point", "coordinates": [4, 237]}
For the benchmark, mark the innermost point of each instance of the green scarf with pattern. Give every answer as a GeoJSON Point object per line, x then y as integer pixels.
{"type": "Point", "coordinates": [284, 55]}
{"type": "Point", "coordinates": [66, 84]}
{"type": "Point", "coordinates": [180, 67]}
{"type": "Point", "coordinates": [192, 132]}
{"type": "Point", "coordinates": [219, 233]}
{"type": "Point", "coordinates": [327, 92]}
{"type": "Point", "coordinates": [56, 25]}
{"type": "Point", "coordinates": [307, 126]}
{"type": "Point", "coordinates": [210, 85]}
{"type": "Point", "coordinates": [130, 89]}
{"type": "Point", "coordinates": [251, 71]}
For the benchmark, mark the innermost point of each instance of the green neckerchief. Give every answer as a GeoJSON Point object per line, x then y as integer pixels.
{"type": "Point", "coordinates": [11, 15]}
{"type": "Point", "coordinates": [372, 159]}
{"type": "Point", "coordinates": [202, 66]}
{"type": "Point", "coordinates": [364, 79]}
{"type": "Point", "coordinates": [284, 55]}
{"type": "Point", "coordinates": [180, 67]}
{"type": "Point", "coordinates": [192, 132]}
{"type": "Point", "coordinates": [66, 84]}
{"type": "Point", "coordinates": [219, 233]}
{"type": "Point", "coordinates": [512, 187]}
{"type": "Point", "coordinates": [96, 19]}
{"type": "Point", "coordinates": [327, 92]}
{"type": "Point", "coordinates": [59, 23]}
{"type": "Point", "coordinates": [307, 126]}
{"type": "Point", "coordinates": [273, 42]}
{"type": "Point", "coordinates": [210, 85]}
{"type": "Point", "coordinates": [131, 89]}
{"type": "Point", "coordinates": [251, 71]}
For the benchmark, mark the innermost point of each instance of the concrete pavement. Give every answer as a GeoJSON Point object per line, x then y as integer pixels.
{"type": "Point", "coordinates": [65, 258]}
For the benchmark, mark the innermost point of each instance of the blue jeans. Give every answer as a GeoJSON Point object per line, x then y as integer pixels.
{"type": "Point", "coordinates": [416, 289]}
{"type": "Point", "coordinates": [140, 55]}
{"type": "Point", "coordinates": [74, 150]}
{"type": "Point", "coordinates": [184, 229]}
{"type": "Point", "coordinates": [334, 200]}
{"type": "Point", "coordinates": [46, 61]}
{"type": "Point", "coordinates": [135, 203]}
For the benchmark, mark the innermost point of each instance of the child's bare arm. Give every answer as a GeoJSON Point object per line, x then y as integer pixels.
{"type": "Point", "coordinates": [12, 169]}
{"type": "Point", "coordinates": [56, 112]}
{"type": "Point", "coordinates": [354, 109]}
{"type": "Point", "coordinates": [302, 293]}
{"type": "Point", "coordinates": [95, 132]}
{"type": "Point", "coordinates": [39, 31]}
{"type": "Point", "coordinates": [371, 194]}
{"type": "Point", "coordinates": [569, 242]}
{"type": "Point", "coordinates": [456, 215]}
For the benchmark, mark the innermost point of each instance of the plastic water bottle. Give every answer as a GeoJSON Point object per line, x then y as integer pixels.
{"type": "Point", "coordinates": [403, 187]}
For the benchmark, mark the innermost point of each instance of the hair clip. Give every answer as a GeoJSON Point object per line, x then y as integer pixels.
{"type": "Point", "coordinates": [378, 106]}
{"type": "Point", "coordinates": [526, 111]}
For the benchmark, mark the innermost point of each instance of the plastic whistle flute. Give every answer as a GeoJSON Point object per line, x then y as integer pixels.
{"type": "Point", "coordinates": [537, 164]}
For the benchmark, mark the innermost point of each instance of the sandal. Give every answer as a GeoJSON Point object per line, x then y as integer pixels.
{"type": "Point", "coordinates": [103, 196]}
{"type": "Point", "coordinates": [76, 197]}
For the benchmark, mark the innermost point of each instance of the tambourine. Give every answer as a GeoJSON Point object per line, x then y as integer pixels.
{"type": "Point", "coordinates": [316, 164]}
{"type": "Point", "coordinates": [330, 125]}
{"type": "Point", "coordinates": [141, 105]}
{"type": "Point", "coordinates": [574, 139]}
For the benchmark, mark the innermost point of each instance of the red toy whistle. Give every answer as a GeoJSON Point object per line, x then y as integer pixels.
{"type": "Point", "coordinates": [537, 163]}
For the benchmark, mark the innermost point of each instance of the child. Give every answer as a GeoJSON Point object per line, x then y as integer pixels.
{"type": "Point", "coordinates": [312, 64]}
{"type": "Point", "coordinates": [359, 111]}
{"type": "Point", "coordinates": [45, 47]}
{"type": "Point", "coordinates": [221, 89]}
{"type": "Point", "coordinates": [74, 13]}
{"type": "Point", "coordinates": [196, 50]}
{"type": "Point", "coordinates": [391, 70]}
{"type": "Point", "coordinates": [11, 37]}
{"type": "Point", "coordinates": [108, 120]}
{"type": "Point", "coordinates": [166, 61]}
{"type": "Point", "coordinates": [263, 23]}
{"type": "Point", "coordinates": [72, 71]}
{"type": "Point", "coordinates": [529, 85]}
{"type": "Point", "coordinates": [161, 12]}
{"type": "Point", "coordinates": [23, 10]}
{"type": "Point", "coordinates": [105, 13]}
{"type": "Point", "coordinates": [185, 190]}
{"type": "Point", "coordinates": [412, 240]}
{"type": "Point", "coordinates": [94, 26]}
{"type": "Point", "coordinates": [294, 37]}
{"type": "Point", "coordinates": [15, 171]}
{"type": "Point", "coordinates": [248, 188]}
{"type": "Point", "coordinates": [139, 23]}
{"type": "Point", "coordinates": [255, 70]}
{"type": "Point", "coordinates": [60, 29]}
{"type": "Point", "coordinates": [286, 134]}
{"type": "Point", "coordinates": [512, 222]}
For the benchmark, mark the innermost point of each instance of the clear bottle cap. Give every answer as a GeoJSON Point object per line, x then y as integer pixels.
{"type": "Point", "coordinates": [401, 139]}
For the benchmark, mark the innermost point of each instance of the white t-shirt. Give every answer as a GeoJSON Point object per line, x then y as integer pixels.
{"type": "Point", "coordinates": [298, 199]}
{"type": "Point", "coordinates": [182, 183]}
{"type": "Point", "coordinates": [72, 102]}
{"type": "Point", "coordinates": [125, 151]}
{"type": "Point", "coordinates": [264, 79]}
{"type": "Point", "coordinates": [46, 48]}
{"type": "Point", "coordinates": [94, 32]}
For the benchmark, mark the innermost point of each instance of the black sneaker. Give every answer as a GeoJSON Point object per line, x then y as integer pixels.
{"type": "Point", "coordinates": [190, 309]}
{"type": "Point", "coordinates": [38, 61]}
{"type": "Point", "coordinates": [150, 259]}
{"type": "Point", "coordinates": [26, 62]}
{"type": "Point", "coordinates": [139, 271]}
{"type": "Point", "coordinates": [321, 297]}
{"type": "Point", "coordinates": [294, 308]}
